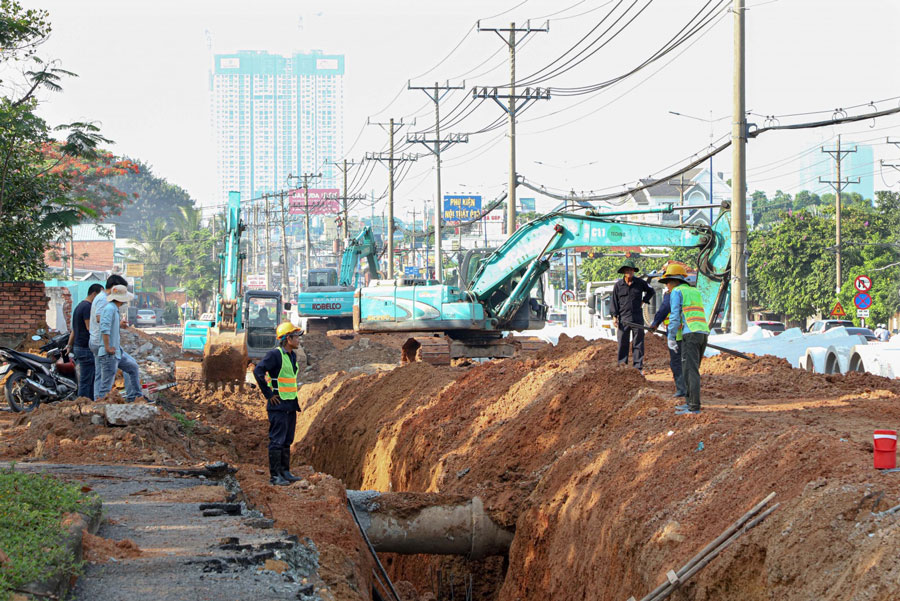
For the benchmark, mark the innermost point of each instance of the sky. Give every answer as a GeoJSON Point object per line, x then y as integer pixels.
{"type": "Point", "coordinates": [143, 75]}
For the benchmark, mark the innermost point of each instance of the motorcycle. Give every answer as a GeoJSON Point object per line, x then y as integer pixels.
{"type": "Point", "coordinates": [34, 379]}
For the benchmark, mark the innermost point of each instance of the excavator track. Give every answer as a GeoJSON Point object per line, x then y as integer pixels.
{"type": "Point", "coordinates": [430, 349]}
{"type": "Point", "coordinates": [530, 344]}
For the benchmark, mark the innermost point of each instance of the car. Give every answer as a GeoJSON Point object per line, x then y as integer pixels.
{"type": "Point", "coordinates": [865, 332]}
{"type": "Point", "coordinates": [557, 318]}
{"type": "Point", "coordinates": [823, 325]}
{"type": "Point", "coordinates": [771, 326]}
{"type": "Point", "coordinates": [145, 317]}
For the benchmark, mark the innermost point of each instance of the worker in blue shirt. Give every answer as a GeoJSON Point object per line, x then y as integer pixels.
{"type": "Point", "coordinates": [662, 317]}
{"type": "Point", "coordinates": [688, 325]}
{"type": "Point", "coordinates": [280, 364]}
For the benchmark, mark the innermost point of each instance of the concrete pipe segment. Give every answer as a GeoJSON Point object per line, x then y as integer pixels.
{"type": "Point", "coordinates": [412, 523]}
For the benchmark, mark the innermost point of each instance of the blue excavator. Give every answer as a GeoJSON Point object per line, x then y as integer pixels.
{"type": "Point", "coordinates": [503, 292]}
{"type": "Point", "coordinates": [243, 327]}
{"type": "Point", "coordinates": [326, 298]}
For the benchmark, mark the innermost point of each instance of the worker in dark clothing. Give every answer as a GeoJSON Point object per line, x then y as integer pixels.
{"type": "Point", "coordinates": [662, 317]}
{"type": "Point", "coordinates": [627, 296]}
{"type": "Point", "coordinates": [280, 364]}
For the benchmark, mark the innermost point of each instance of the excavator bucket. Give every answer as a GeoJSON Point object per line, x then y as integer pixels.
{"type": "Point", "coordinates": [225, 358]}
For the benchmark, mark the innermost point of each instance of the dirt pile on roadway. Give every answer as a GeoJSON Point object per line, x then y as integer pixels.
{"type": "Point", "coordinates": [608, 489]}
{"type": "Point", "coordinates": [345, 350]}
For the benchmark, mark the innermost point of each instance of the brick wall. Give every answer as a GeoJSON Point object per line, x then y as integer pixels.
{"type": "Point", "coordinates": [95, 255]}
{"type": "Point", "coordinates": [23, 308]}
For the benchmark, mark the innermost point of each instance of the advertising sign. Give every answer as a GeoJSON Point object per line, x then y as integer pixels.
{"type": "Point", "coordinates": [459, 208]}
{"type": "Point", "coordinates": [256, 281]}
{"type": "Point", "coordinates": [322, 201]}
{"type": "Point", "coordinates": [134, 270]}
{"type": "Point", "coordinates": [527, 204]}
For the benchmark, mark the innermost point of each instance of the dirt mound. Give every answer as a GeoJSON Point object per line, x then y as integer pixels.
{"type": "Point", "coordinates": [342, 352]}
{"type": "Point", "coordinates": [608, 489]}
{"type": "Point", "coordinates": [97, 549]}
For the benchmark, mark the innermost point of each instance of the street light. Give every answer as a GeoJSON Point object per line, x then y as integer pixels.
{"type": "Point", "coordinates": [710, 121]}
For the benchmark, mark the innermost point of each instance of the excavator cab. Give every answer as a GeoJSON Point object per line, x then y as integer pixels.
{"type": "Point", "coordinates": [262, 314]}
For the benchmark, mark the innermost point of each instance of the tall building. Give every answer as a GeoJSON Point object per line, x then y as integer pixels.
{"type": "Point", "coordinates": [275, 116]}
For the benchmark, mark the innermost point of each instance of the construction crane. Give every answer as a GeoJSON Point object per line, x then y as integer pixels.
{"type": "Point", "coordinates": [243, 326]}
{"type": "Point", "coordinates": [470, 320]}
{"type": "Point", "coordinates": [326, 298]}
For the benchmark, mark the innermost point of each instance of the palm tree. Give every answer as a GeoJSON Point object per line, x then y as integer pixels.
{"type": "Point", "coordinates": [155, 252]}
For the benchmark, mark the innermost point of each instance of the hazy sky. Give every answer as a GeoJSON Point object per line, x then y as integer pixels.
{"type": "Point", "coordinates": [143, 70]}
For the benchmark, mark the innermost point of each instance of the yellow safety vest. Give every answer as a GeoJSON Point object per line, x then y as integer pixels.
{"type": "Point", "coordinates": [691, 311]}
{"type": "Point", "coordinates": [287, 378]}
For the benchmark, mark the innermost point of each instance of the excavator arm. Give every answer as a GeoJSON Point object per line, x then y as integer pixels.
{"type": "Point", "coordinates": [363, 245]}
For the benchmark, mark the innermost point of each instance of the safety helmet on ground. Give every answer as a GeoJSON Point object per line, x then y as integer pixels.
{"type": "Point", "coordinates": [286, 328]}
{"type": "Point", "coordinates": [675, 272]}
{"type": "Point", "coordinates": [628, 263]}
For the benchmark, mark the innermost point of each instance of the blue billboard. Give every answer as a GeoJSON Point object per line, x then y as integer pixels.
{"type": "Point", "coordinates": [461, 208]}
{"type": "Point", "coordinates": [527, 204]}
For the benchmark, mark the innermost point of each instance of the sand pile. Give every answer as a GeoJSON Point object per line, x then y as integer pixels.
{"type": "Point", "coordinates": [608, 490]}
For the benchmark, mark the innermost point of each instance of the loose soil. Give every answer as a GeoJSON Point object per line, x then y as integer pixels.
{"type": "Point", "coordinates": [97, 549]}
{"type": "Point", "coordinates": [606, 488]}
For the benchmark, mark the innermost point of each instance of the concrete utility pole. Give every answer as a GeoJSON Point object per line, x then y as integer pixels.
{"type": "Point", "coordinates": [739, 181]}
{"type": "Point", "coordinates": [285, 271]}
{"type": "Point", "coordinates": [268, 264]}
{"type": "Point", "coordinates": [511, 109]}
{"type": "Point", "coordinates": [345, 229]}
{"type": "Point", "coordinates": [884, 163]}
{"type": "Point", "coordinates": [681, 185]}
{"type": "Point", "coordinates": [838, 184]}
{"type": "Point", "coordinates": [436, 145]}
{"type": "Point", "coordinates": [307, 246]}
{"type": "Point", "coordinates": [391, 128]}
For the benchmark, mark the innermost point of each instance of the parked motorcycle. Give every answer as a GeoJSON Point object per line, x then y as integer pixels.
{"type": "Point", "coordinates": [35, 379]}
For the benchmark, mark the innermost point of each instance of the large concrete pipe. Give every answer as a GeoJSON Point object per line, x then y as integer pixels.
{"type": "Point", "coordinates": [412, 523]}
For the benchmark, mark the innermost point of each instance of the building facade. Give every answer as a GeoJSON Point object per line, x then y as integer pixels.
{"type": "Point", "coordinates": [695, 185]}
{"type": "Point", "coordinates": [275, 116]}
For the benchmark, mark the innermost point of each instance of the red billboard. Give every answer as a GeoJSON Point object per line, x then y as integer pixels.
{"type": "Point", "coordinates": [322, 201]}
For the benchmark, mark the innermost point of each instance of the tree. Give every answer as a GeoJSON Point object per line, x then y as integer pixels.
{"type": "Point", "coordinates": [46, 186]}
{"type": "Point", "coordinates": [150, 198]}
{"type": "Point", "coordinates": [155, 252]}
{"type": "Point", "coordinates": [193, 250]}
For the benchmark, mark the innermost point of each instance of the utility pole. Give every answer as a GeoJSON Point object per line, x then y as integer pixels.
{"type": "Point", "coordinates": [255, 259]}
{"type": "Point", "coordinates": [436, 93]}
{"type": "Point", "coordinates": [268, 263]}
{"type": "Point", "coordinates": [392, 127]}
{"type": "Point", "coordinates": [530, 94]}
{"type": "Point", "coordinates": [739, 180]}
{"type": "Point", "coordinates": [884, 163]}
{"type": "Point", "coordinates": [838, 184]}
{"type": "Point", "coordinates": [307, 246]}
{"type": "Point", "coordinates": [345, 229]}
{"type": "Point", "coordinates": [285, 271]}
{"type": "Point", "coordinates": [681, 185]}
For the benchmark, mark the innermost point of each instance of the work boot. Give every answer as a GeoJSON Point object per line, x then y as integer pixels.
{"type": "Point", "coordinates": [275, 468]}
{"type": "Point", "coordinates": [683, 407]}
{"type": "Point", "coordinates": [687, 411]}
{"type": "Point", "coordinates": [286, 465]}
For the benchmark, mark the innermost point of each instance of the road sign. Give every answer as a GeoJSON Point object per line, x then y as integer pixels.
{"type": "Point", "coordinates": [411, 271]}
{"type": "Point", "coordinates": [862, 301]}
{"type": "Point", "coordinates": [863, 283]}
{"type": "Point", "coordinates": [567, 296]}
{"type": "Point", "coordinates": [862, 312]}
{"type": "Point", "coordinates": [134, 270]}
{"type": "Point", "coordinates": [838, 310]}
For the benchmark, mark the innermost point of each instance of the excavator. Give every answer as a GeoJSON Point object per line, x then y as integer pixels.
{"type": "Point", "coordinates": [243, 327]}
{"type": "Point", "coordinates": [327, 298]}
{"type": "Point", "coordinates": [470, 320]}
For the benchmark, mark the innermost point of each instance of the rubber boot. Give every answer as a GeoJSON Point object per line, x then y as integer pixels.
{"type": "Point", "coordinates": [286, 465]}
{"type": "Point", "coordinates": [275, 468]}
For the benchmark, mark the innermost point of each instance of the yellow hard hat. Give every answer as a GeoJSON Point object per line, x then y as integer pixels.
{"type": "Point", "coordinates": [674, 271]}
{"type": "Point", "coordinates": [284, 329]}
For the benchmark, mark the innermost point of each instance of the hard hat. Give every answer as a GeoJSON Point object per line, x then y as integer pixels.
{"type": "Point", "coordinates": [284, 329]}
{"type": "Point", "coordinates": [674, 272]}
{"type": "Point", "coordinates": [628, 263]}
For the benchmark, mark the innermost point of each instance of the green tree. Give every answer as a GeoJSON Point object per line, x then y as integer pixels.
{"type": "Point", "coordinates": [150, 198]}
{"type": "Point", "coordinates": [155, 252]}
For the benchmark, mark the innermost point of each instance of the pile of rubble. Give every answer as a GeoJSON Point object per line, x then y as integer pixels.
{"type": "Point", "coordinates": [154, 356]}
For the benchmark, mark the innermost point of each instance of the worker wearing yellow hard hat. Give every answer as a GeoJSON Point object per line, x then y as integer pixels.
{"type": "Point", "coordinates": [281, 365]}
{"type": "Point", "coordinates": [662, 317]}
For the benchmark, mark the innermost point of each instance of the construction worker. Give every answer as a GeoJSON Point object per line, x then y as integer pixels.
{"type": "Point", "coordinates": [687, 324]}
{"type": "Point", "coordinates": [627, 296]}
{"type": "Point", "coordinates": [280, 364]}
{"type": "Point", "coordinates": [662, 317]}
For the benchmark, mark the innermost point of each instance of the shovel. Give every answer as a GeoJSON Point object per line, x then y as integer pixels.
{"type": "Point", "coordinates": [715, 346]}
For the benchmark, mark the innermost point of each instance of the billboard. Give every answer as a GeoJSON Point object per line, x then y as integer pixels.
{"type": "Point", "coordinates": [527, 204]}
{"type": "Point", "coordinates": [255, 281]}
{"type": "Point", "coordinates": [322, 201]}
{"type": "Point", "coordinates": [461, 208]}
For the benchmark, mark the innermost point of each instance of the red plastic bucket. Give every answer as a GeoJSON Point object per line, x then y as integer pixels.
{"type": "Point", "coordinates": [885, 449]}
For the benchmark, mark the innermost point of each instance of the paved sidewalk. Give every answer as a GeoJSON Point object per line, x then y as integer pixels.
{"type": "Point", "coordinates": [184, 554]}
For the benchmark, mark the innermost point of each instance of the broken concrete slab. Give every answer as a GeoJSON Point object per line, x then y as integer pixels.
{"type": "Point", "coordinates": [130, 414]}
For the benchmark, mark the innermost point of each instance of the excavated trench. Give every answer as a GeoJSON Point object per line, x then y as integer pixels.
{"type": "Point", "coordinates": [606, 490]}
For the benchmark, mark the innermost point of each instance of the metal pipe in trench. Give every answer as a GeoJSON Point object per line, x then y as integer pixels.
{"type": "Point", "coordinates": [412, 523]}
